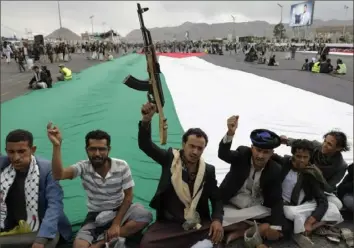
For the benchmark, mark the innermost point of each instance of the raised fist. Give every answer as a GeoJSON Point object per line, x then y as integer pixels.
{"type": "Point", "coordinates": [232, 124]}
{"type": "Point", "coordinates": [54, 134]}
{"type": "Point", "coordinates": [147, 111]}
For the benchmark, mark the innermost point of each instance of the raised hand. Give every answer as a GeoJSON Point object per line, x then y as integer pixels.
{"type": "Point", "coordinates": [147, 111]}
{"type": "Point", "coordinates": [232, 124]}
{"type": "Point", "coordinates": [54, 134]}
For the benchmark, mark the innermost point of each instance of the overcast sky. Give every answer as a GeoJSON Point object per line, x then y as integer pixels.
{"type": "Point", "coordinates": [42, 17]}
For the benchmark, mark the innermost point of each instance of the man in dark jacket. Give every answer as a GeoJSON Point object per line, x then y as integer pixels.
{"type": "Point", "coordinates": [21, 60]}
{"type": "Point", "coordinates": [327, 156]}
{"type": "Point", "coordinates": [301, 183]}
{"type": "Point", "coordinates": [326, 66]}
{"type": "Point", "coordinates": [345, 190]}
{"type": "Point", "coordinates": [49, 76]}
{"type": "Point", "coordinates": [253, 178]}
{"type": "Point", "coordinates": [39, 80]}
{"type": "Point", "coordinates": [186, 185]}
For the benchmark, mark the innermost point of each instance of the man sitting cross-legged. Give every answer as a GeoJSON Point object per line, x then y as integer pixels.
{"type": "Point", "coordinates": [305, 202]}
{"type": "Point", "coordinates": [327, 156]}
{"type": "Point", "coordinates": [31, 201]}
{"type": "Point", "coordinates": [109, 186]}
{"type": "Point", "coordinates": [186, 185]}
{"type": "Point", "coordinates": [252, 187]}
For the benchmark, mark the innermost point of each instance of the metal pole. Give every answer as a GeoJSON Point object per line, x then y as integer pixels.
{"type": "Point", "coordinates": [91, 17]}
{"type": "Point", "coordinates": [104, 26]}
{"type": "Point", "coordinates": [281, 19]}
{"type": "Point", "coordinates": [281, 12]}
{"type": "Point", "coordinates": [344, 27]}
{"type": "Point", "coordinates": [234, 29]}
{"type": "Point", "coordinates": [59, 14]}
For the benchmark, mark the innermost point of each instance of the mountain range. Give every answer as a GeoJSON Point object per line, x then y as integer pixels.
{"type": "Point", "coordinates": [220, 30]}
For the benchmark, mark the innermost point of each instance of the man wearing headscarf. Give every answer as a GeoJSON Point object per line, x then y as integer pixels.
{"type": "Point", "coordinates": [253, 183]}
{"type": "Point", "coordinates": [39, 79]}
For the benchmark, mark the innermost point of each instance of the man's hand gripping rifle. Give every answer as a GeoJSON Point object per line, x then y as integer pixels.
{"type": "Point", "coordinates": [153, 85]}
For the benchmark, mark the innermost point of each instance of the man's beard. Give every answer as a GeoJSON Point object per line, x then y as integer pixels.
{"type": "Point", "coordinates": [98, 161]}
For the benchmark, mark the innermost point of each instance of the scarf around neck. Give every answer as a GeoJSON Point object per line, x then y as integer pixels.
{"type": "Point", "coordinates": [181, 188]}
{"type": "Point", "coordinates": [310, 170]}
{"type": "Point", "coordinates": [7, 178]}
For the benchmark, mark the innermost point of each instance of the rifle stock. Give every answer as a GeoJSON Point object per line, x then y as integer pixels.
{"type": "Point", "coordinates": [153, 85]}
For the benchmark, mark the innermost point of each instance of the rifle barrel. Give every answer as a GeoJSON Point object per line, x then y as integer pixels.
{"type": "Point", "coordinates": [142, 24]}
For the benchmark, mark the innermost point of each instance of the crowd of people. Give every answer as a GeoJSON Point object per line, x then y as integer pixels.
{"type": "Point", "coordinates": [294, 195]}
{"type": "Point", "coordinates": [324, 65]}
{"type": "Point", "coordinates": [291, 196]}
{"type": "Point", "coordinates": [34, 57]}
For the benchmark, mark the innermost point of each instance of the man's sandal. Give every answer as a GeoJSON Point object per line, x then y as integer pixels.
{"type": "Point", "coordinates": [326, 231]}
{"type": "Point", "coordinates": [303, 241]}
{"type": "Point", "coordinates": [348, 236]}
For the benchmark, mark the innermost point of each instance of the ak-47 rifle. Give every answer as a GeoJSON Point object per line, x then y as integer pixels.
{"type": "Point", "coordinates": [153, 84]}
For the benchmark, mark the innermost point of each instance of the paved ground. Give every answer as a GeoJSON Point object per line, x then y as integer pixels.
{"type": "Point", "coordinates": [335, 87]}
{"type": "Point", "coordinates": [14, 84]}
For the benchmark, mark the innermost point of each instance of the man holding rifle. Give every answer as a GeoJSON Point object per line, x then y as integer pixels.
{"type": "Point", "coordinates": [186, 185]}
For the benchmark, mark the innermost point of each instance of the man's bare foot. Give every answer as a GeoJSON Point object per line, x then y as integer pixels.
{"type": "Point", "coordinates": [263, 229]}
{"type": "Point", "coordinates": [232, 236]}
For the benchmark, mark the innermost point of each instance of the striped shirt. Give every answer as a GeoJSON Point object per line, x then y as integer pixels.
{"type": "Point", "coordinates": [104, 193]}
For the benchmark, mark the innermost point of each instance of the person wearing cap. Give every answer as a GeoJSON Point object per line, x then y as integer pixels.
{"type": "Point", "coordinates": [39, 80]}
{"type": "Point", "coordinates": [65, 73]}
{"type": "Point", "coordinates": [253, 179]}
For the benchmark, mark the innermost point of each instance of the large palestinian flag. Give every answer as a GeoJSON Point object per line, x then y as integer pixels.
{"type": "Point", "coordinates": [198, 94]}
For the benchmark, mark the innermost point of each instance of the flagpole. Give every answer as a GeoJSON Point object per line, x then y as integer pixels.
{"type": "Point", "coordinates": [91, 17]}
{"type": "Point", "coordinates": [59, 19]}
{"type": "Point", "coordinates": [59, 14]}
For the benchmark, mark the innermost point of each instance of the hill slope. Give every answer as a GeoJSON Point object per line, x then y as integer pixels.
{"type": "Point", "coordinates": [219, 30]}
{"type": "Point", "coordinates": [63, 33]}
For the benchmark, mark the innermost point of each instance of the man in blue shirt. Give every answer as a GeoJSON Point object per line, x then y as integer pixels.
{"type": "Point", "coordinates": [31, 201]}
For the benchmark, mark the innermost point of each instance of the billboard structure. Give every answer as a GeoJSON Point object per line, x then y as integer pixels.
{"type": "Point", "coordinates": [301, 14]}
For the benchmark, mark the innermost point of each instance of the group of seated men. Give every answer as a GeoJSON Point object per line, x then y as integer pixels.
{"type": "Point", "coordinates": [42, 77]}
{"type": "Point", "coordinates": [324, 65]}
{"type": "Point", "coordinates": [293, 194]}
